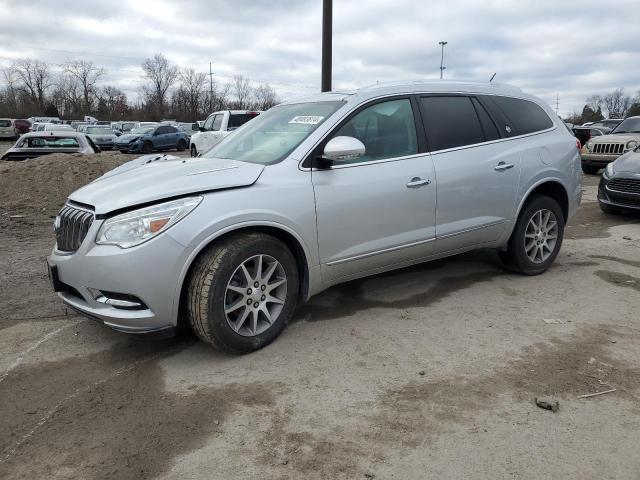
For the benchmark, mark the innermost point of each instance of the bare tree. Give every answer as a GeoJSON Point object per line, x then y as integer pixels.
{"type": "Point", "coordinates": [242, 92]}
{"type": "Point", "coordinates": [192, 86]}
{"type": "Point", "coordinates": [113, 102]}
{"type": "Point", "coordinates": [87, 75]}
{"type": "Point", "coordinates": [265, 97]}
{"type": "Point", "coordinates": [617, 103]}
{"type": "Point", "coordinates": [67, 96]}
{"type": "Point", "coordinates": [594, 102]}
{"type": "Point", "coordinates": [35, 78]}
{"type": "Point", "coordinates": [162, 76]}
{"type": "Point", "coordinates": [10, 96]}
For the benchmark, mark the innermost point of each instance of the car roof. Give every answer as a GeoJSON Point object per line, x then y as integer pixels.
{"type": "Point", "coordinates": [416, 86]}
{"type": "Point", "coordinates": [53, 133]}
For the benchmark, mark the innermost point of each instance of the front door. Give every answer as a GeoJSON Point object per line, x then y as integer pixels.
{"type": "Point", "coordinates": [377, 211]}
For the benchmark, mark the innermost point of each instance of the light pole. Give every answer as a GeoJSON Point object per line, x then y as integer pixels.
{"type": "Point", "coordinates": [327, 20]}
{"type": "Point", "coordinates": [442, 67]}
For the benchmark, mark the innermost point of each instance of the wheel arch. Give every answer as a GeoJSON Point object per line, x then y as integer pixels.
{"type": "Point", "coordinates": [552, 188]}
{"type": "Point", "coordinates": [291, 239]}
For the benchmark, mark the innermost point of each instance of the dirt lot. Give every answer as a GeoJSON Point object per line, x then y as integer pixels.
{"type": "Point", "coordinates": [428, 372]}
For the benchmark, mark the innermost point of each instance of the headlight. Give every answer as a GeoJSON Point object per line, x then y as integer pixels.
{"type": "Point", "coordinates": [631, 144]}
{"type": "Point", "coordinates": [608, 172]}
{"type": "Point", "coordinates": [589, 145]}
{"type": "Point", "coordinates": [133, 228]}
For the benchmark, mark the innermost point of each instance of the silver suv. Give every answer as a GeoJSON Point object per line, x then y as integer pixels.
{"type": "Point", "coordinates": [314, 193]}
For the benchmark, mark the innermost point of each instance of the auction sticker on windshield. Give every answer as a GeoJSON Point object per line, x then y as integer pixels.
{"type": "Point", "coordinates": [307, 119]}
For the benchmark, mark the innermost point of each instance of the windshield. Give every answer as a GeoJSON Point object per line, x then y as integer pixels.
{"type": "Point", "coordinates": [630, 125]}
{"type": "Point", "coordinates": [142, 130]}
{"type": "Point", "coordinates": [102, 130]}
{"type": "Point", "coordinates": [273, 135]}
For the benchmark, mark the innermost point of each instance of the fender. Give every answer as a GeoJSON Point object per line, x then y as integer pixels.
{"type": "Point", "coordinates": [228, 229]}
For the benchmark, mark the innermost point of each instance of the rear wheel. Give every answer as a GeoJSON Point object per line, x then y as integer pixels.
{"type": "Point", "coordinates": [147, 147]}
{"type": "Point", "coordinates": [536, 238]}
{"type": "Point", "coordinates": [242, 292]}
{"type": "Point", "coordinates": [590, 169]}
{"type": "Point", "coordinates": [194, 151]}
{"type": "Point", "coordinates": [182, 145]}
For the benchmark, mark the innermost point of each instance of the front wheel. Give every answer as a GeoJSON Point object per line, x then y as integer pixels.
{"type": "Point", "coordinates": [194, 151]}
{"type": "Point", "coordinates": [242, 292]}
{"type": "Point", "coordinates": [182, 146]}
{"type": "Point", "coordinates": [536, 238]}
{"type": "Point", "coordinates": [147, 147]}
{"type": "Point", "coordinates": [590, 169]}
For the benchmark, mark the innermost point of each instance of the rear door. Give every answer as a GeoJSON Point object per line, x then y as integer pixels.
{"type": "Point", "coordinates": [477, 172]}
{"type": "Point", "coordinates": [376, 211]}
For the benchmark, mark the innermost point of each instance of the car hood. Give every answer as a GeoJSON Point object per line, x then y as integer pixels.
{"type": "Point", "coordinates": [101, 135]}
{"type": "Point", "coordinates": [629, 162]}
{"type": "Point", "coordinates": [127, 137]}
{"type": "Point", "coordinates": [616, 138]}
{"type": "Point", "coordinates": [152, 178]}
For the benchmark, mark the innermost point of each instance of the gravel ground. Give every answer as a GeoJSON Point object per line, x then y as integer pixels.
{"type": "Point", "coordinates": [427, 372]}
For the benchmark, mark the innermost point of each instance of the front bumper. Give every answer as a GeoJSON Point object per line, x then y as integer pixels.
{"type": "Point", "coordinates": [149, 272]}
{"type": "Point", "coordinates": [615, 198]}
{"type": "Point", "coordinates": [104, 145]}
{"type": "Point", "coordinates": [599, 159]}
{"type": "Point", "coordinates": [129, 147]}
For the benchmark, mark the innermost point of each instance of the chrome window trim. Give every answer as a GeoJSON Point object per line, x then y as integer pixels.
{"type": "Point", "coordinates": [435, 152]}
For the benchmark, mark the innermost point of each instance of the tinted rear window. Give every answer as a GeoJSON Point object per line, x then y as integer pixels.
{"type": "Point", "coordinates": [451, 122]}
{"type": "Point", "coordinates": [522, 116]}
{"type": "Point", "coordinates": [238, 119]}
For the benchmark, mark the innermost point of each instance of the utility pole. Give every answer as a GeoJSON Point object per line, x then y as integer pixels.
{"type": "Point", "coordinates": [210, 89]}
{"type": "Point", "coordinates": [442, 67]}
{"type": "Point", "coordinates": [327, 20]}
{"type": "Point", "coordinates": [557, 102]}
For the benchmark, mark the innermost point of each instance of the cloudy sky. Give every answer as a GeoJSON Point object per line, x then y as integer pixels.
{"type": "Point", "coordinates": [573, 48]}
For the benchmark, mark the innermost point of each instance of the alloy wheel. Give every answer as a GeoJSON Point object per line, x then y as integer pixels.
{"type": "Point", "coordinates": [255, 295]}
{"type": "Point", "coordinates": [541, 236]}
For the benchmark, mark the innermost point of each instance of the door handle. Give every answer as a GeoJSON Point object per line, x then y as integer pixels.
{"type": "Point", "coordinates": [503, 166]}
{"type": "Point", "coordinates": [418, 182]}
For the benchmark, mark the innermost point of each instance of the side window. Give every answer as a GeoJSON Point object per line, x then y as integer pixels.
{"type": "Point", "coordinates": [207, 125]}
{"type": "Point", "coordinates": [523, 116]}
{"type": "Point", "coordinates": [488, 126]}
{"type": "Point", "coordinates": [170, 129]}
{"type": "Point", "coordinates": [386, 129]}
{"type": "Point", "coordinates": [451, 122]}
{"type": "Point", "coordinates": [162, 130]}
{"type": "Point", "coordinates": [217, 123]}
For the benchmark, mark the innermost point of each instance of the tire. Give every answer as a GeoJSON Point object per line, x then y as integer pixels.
{"type": "Point", "coordinates": [194, 151]}
{"type": "Point", "coordinates": [214, 283]}
{"type": "Point", "coordinates": [517, 257]}
{"type": "Point", "coordinates": [608, 209]}
{"type": "Point", "coordinates": [590, 169]}
{"type": "Point", "coordinates": [147, 147]}
{"type": "Point", "coordinates": [182, 146]}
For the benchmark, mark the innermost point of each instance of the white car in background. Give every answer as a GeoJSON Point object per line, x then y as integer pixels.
{"type": "Point", "coordinates": [217, 126]}
{"type": "Point", "coordinates": [6, 128]}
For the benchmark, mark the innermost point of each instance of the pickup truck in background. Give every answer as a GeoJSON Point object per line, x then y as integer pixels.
{"type": "Point", "coordinates": [217, 126]}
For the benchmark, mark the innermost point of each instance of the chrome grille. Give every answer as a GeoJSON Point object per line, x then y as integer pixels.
{"type": "Point", "coordinates": [72, 225]}
{"type": "Point", "coordinates": [609, 148]}
{"type": "Point", "coordinates": [625, 185]}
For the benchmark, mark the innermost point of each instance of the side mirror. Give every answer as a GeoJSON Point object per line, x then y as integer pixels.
{"type": "Point", "coordinates": [201, 129]}
{"type": "Point", "coordinates": [342, 149]}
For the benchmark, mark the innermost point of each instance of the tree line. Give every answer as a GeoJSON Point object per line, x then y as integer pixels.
{"type": "Point", "coordinates": [33, 88]}
{"type": "Point", "coordinates": [616, 104]}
